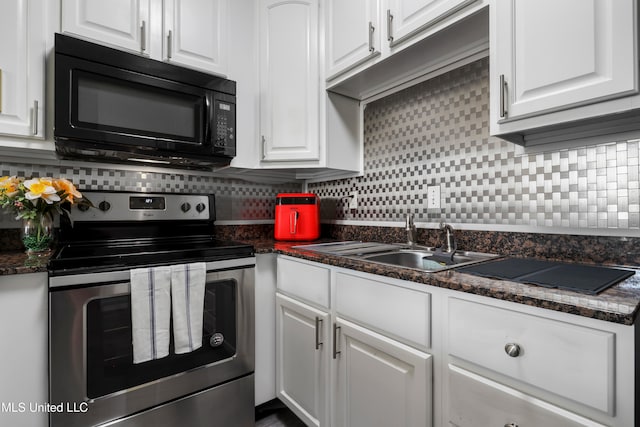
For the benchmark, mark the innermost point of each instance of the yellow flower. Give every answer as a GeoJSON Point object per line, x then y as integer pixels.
{"type": "Point", "coordinates": [41, 188]}
{"type": "Point", "coordinates": [70, 191]}
{"type": "Point", "coordinates": [9, 185]}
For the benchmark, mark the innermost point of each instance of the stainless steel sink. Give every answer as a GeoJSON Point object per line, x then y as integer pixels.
{"type": "Point", "coordinates": [428, 259]}
{"type": "Point", "coordinates": [417, 257]}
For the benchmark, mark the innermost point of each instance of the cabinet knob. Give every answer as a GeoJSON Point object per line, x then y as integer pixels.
{"type": "Point", "coordinates": [513, 350]}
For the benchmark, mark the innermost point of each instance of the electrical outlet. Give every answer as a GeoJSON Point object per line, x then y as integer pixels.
{"type": "Point", "coordinates": [353, 200]}
{"type": "Point", "coordinates": [433, 197]}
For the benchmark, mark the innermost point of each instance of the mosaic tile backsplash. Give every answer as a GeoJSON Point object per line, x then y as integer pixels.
{"type": "Point", "coordinates": [235, 199]}
{"type": "Point", "coordinates": [437, 133]}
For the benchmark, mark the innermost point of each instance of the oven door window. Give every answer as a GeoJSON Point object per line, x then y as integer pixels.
{"type": "Point", "coordinates": [126, 107]}
{"type": "Point", "coordinates": [110, 365]}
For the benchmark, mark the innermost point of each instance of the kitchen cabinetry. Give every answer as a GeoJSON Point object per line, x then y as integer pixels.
{"type": "Point", "coordinates": [348, 355]}
{"type": "Point", "coordinates": [191, 33]}
{"type": "Point", "coordinates": [403, 353]}
{"type": "Point", "coordinates": [22, 68]}
{"type": "Point", "coordinates": [24, 335]}
{"type": "Point", "coordinates": [550, 61]}
{"type": "Point", "coordinates": [353, 33]}
{"type": "Point", "coordinates": [530, 368]}
{"type": "Point", "coordinates": [478, 402]}
{"type": "Point", "coordinates": [302, 346]}
{"type": "Point", "coordinates": [408, 18]}
{"type": "Point", "coordinates": [361, 34]}
{"type": "Point", "coordinates": [304, 132]}
{"type": "Point", "coordinates": [302, 359]}
{"type": "Point", "coordinates": [379, 381]}
{"type": "Point", "coordinates": [289, 80]}
{"type": "Point", "coordinates": [95, 19]}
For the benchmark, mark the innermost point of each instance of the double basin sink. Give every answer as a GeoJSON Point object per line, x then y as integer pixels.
{"type": "Point", "coordinates": [422, 258]}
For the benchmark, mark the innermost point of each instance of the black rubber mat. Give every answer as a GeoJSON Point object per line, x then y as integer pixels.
{"type": "Point", "coordinates": [576, 277]}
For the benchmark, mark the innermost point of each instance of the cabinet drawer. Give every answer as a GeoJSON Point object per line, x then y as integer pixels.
{"type": "Point", "coordinates": [401, 312]}
{"type": "Point", "coordinates": [572, 361]}
{"type": "Point", "coordinates": [475, 401]}
{"type": "Point", "coordinates": [309, 282]}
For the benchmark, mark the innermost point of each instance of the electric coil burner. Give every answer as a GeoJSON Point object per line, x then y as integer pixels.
{"type": "Point", "coordinates": [91, 362]}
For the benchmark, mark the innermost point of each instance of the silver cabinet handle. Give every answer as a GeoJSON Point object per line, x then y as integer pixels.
{"type": "Point", "coordinates": [513, 349]}
{"type": "Point", "coordinates": [34, 118]}
{"type": "Point", "coordinates": [0, 90]}
{"type": "Point", "coordinates": [371, 30]}
{"type": "Point", "coordinates": [503, 94]}
{"type": "Point", "coordinates": [511, 425]}
{"type": "Point", "coordinates": [169, 42]}
{"type": "Point", "coordinates": [318, 326]}
{"type": "Point", "coordinates": [143, 36]}
{"type": "Point", "coordinates": [335, 341]}
{"type": "Point", "coordinates": [264, 147]}
{"type": "Point", "coordinates": [389, 20]}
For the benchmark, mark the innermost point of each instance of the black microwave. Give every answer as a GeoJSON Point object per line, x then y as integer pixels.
{"type": "Point", "coordinates": [117, 106]}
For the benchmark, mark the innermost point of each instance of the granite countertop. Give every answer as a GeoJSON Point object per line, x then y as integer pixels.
{"type": "Point", "coordinates": [619, 303]}
{"type": "Point", "coordinates": [18, 262]}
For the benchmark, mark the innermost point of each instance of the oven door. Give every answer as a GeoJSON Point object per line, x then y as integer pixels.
{"type": "Point", "coordinates": [91, 355]}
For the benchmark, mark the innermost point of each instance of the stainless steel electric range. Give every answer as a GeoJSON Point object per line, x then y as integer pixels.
{"type": "Point", "coordinates": [92, 373]}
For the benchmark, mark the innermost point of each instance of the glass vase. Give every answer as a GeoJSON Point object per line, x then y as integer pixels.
{"type": "Point", "coordinates": [37, 234]}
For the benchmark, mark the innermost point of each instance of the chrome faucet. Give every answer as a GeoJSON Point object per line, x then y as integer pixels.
{"type": "Point", "coordinates": [411, 231]}
{"type": "Point", "coordinates": [449, 241]}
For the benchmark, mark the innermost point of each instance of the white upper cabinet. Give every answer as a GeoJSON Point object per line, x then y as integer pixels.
{"type": "Point", "coordinates": [549, 56]}
{"type": "Point", "coordinates": [353, 32]}
{"type": "Point", "coordinates": [121, 23]}
{"type": "Point", "coordinates": [196, 33]}
{"type": "Point", "coordinates": [22, 68]}
{"type": "Point", "coordinates": [375, 45]}
{"type": "Point", "coordinates": [192, 33]}
{"type": "Point", "coordinates": [289, 80]}
{"type": "Point", "coordinates": [406, 18]}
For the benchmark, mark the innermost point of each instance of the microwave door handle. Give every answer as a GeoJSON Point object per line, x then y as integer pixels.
{"type": "Point", "coordinates": [208, 118]}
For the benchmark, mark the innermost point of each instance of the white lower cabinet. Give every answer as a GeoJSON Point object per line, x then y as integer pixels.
{"type": "Point", "coordinates": [24, 319]}
{"type": "Point", "coordinates": [477, 401]}
{"type": "Point", "coordinates": [378, 381]}
{"type": "Point", "coordinates": [363, 350]}
{"type": "Point", "coordinates": [336, 372]}
{"type": "Point", "coordinates": [513, 365]}
{"type": "Point", "coordinates": [302, 359]}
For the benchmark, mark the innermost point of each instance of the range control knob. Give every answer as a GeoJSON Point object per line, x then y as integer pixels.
{"type": "Point", "coordinates": [200, 207]}
{"type": "Point", "coordinates": [83, 207]}
{"type": "Point", "coordinates": [104, 206]}
{"type": "Point", "coordinates": [185, 207]}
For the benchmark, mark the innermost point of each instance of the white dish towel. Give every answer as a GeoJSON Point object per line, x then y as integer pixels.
{"type": "Point", "coordinates": [150, 312]}
{"type": "Point", "coordinates": [187, 289]}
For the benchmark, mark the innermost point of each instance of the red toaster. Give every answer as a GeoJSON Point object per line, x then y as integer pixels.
{"type": "Point", "coordinates": [297, 216]}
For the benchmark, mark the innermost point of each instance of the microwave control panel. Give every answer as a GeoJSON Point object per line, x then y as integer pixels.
{"type": "Point", "coordinates": [225, 127]}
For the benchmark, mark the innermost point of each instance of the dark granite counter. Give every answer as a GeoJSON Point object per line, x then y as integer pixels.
{"type": "Point", "coordinates": [619, 303]}
{"type": "Point", "coordinates": [17, 262]}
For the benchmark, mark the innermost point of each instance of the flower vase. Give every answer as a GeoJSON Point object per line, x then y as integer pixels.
{"type": "Point", "coordinates": [37, 234]}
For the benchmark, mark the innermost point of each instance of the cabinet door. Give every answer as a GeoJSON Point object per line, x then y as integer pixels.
{"type": "Point", "coordinates": [406, 18]}
{"type": "Point", "coordinates": [121, 23]}
{"type": "Point", "coordinates": [552, 54]}
{"type": "Point", "coordinates": [22, 68]}
{"type": "Point", "coordinates": [24, 334]}
{"type": "Point", "coordinates": [302, 359]}
{"type": "Point", "coordinates": [476, 401]}
{"type": "Point", "coordinates": [379, 382]}
{"type": "Point", "coordinates": [196, 34]}
{"type": "Point", "coordinates": [353, 33]}
{"type": "Point", "coordinates": [289, 85]}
